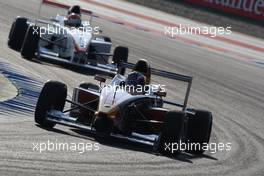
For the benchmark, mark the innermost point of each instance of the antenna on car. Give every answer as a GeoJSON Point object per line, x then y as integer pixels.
{"type": "Point", "coordinates": [114, 95]}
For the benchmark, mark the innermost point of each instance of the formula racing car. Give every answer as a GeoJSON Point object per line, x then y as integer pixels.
{"type": "Point", "coordinates": [116, 110]}
{"type": "Point", "coordinates": [67, 40]}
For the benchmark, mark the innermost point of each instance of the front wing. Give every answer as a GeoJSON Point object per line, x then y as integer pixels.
{"type": "Point", "coordinates": [60, 118]}
{"type": "Point", "coordinates": [110, 69]}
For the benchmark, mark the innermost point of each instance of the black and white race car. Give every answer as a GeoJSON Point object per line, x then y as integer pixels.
{"type": "Point", "coordinates": [67, 40]}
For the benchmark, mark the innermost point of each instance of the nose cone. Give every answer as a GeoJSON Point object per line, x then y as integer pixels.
{"type": "Point", "coordinates": [82, 38]}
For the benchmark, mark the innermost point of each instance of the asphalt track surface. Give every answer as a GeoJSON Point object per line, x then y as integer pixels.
{"type": "Point", "coordinates": [232, 89]}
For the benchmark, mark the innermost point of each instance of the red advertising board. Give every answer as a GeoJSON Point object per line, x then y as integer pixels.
{"type": "Point", "coordinates": [248, 8]}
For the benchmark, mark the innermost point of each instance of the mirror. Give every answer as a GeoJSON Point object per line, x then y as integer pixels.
{"type": "Point", "coordinates": [100, 78]}
{"type": "Point", "coordinates": [160, 94]}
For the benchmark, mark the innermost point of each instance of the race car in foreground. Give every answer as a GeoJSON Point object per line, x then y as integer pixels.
{"type": "Point", "coordinates": [124, 114]}
{"type": "Point", "coordinates": [67, 40]}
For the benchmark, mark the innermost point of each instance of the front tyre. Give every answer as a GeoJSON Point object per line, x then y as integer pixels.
{"type": "Point", "coordinates": [103, 124]}
{"type": "Point", "coordinates": [52, 97]}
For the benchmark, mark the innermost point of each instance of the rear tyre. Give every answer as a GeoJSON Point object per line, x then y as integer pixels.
{"type": "Point", "coordinates": [199, 131]}
{"type": "Point", "coordinates": [11, 32]}
{"type": "Point", "coordinates": [171, 134]}
{"type": "Point", "coordinates": [52, 97]}
{"type": "Point", "coordinates": [120, 56]}
{"type": "Point", "coordinates": [17, 33]}
{"type": "Point", "coordinates": [30, 44]}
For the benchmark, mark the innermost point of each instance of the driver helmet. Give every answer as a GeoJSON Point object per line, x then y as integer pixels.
{"type": "Point", "coordinates": [136, 82]}
{"type": "Point", "coordinates": [74, 20]}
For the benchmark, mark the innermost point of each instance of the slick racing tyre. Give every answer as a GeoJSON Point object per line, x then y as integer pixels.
{"type": "Point", "coordinates": [30, 44]}
{"type": "Point", "coordinates": [171, 134]}
{"type": "Point", "coordinates": [199, 131]}
{"type": "Point", "coordinates": [17, 33]}
{"type": "Point", "coordinates": [52, 97]}
{"type": "Point", "coordinates": [120, 56]}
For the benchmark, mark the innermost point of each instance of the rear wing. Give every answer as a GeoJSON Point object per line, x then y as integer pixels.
{"type": "Point", "coordinates": [174, 76]}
